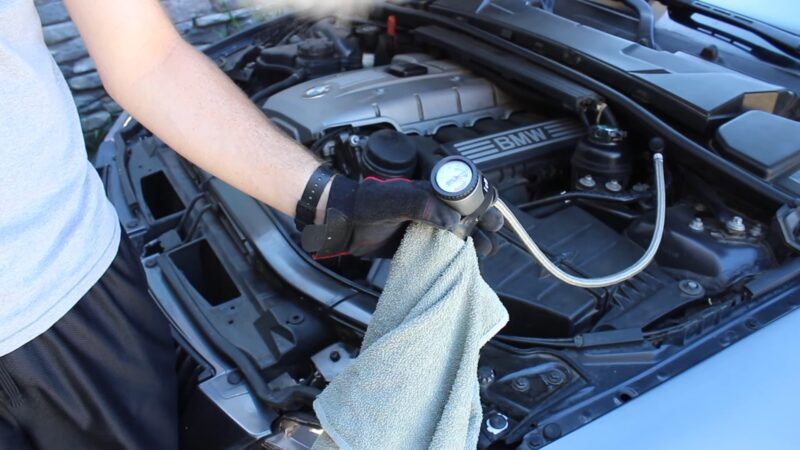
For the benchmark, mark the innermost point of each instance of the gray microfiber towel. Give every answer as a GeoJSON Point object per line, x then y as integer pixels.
{"type": "Point", "coordinates": [414, 385]}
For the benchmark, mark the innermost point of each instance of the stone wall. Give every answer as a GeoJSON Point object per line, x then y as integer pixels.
{"type": "Point", "coordinates": [201, 22]}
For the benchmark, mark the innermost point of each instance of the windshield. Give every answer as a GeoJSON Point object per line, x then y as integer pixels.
{"type": "Point", "coordinates": [783, 14]}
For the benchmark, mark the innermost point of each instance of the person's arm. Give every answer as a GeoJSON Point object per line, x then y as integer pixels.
{"type": "Point", "coordinates": [183, 98]}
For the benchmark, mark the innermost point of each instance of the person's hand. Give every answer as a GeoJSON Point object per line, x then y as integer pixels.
{"type": "Point", "coordinates": [368, 218]}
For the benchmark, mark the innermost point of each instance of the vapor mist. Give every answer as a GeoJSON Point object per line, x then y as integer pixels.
{"type": "Point", "coordinates": [319, 8]}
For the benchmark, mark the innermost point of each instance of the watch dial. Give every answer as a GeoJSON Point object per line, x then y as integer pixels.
{"type": "Point", "coordinates": [454, 177]}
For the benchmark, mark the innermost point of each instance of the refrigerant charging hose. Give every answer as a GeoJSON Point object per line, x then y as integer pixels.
{"type": "Point", "coordinates": [609, 280]}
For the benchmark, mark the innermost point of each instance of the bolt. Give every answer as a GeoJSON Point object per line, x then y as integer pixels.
{"type": "Point", "coordinates": [534, 440]}
{"type": "Point", "coordinates": [728, 339]}
{"type": "Point", "coordinates": [587, 181]}
{"type": "Point", "coordinates": [757, 231]}
{"type": "Point", "coordinates": [552, 431]}
{"type": "Point", "coordinates": [613, 186]}
{"type": "Point", "coordinates": [520, 384]}
{"type": "Point", "coordinates": [485, 375]}
{"type": "Point", "coordinates": [355, 140]}
{"type": "Point", "coordinates": [555, 377]}
{"type": "Point", "coordinates": [641, 187]}
{"type": "Point", "coordinates": [335, 356]}
{"type": "Point", "coordinates": [496, 423]}
{"type": "Point", "coordinates": [150, 263]}
{"type": "Point", "coordinates": [691, 287]}
{"type": "Point", "coordinates": [697, 224]}
{"type": "Point", "coordinates": [735, 225]}
{"type": "Point", "coordinates": [710, 53]}
{"type": "Point", "coordinates": [234, 378]}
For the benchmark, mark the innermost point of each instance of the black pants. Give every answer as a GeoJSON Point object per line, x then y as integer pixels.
{"type": "Point", "coordinates": [101, 378]}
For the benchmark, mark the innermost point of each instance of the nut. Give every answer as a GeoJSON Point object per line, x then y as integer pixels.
{"type": "Point", "coordinates": [697, 224]}
{"type": "Point", "coordinates": [496, 423]}
{"type": "Point", "coordinates": [613, 186]}
{"type": "Point", "coordinates": [587, 181]}
{"type": "Point", "coordinates": [736, 225]}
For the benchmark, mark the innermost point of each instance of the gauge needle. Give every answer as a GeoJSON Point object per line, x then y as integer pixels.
{"type": "Point", "coordinates": [456, 178]}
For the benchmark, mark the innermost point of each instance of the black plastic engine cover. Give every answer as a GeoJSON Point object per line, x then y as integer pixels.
{"type": "Point", "coordinates": [692, 91]}
{"type": "Point", "coordinates": [709, 256]}
{"type": "Point", "coordinates": [535, 141]}
{"type": "Point", "coordinates": [541, 305]}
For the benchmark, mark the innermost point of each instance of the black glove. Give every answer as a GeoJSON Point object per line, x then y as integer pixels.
{"type": "Point", "coordinates": [368, 218]}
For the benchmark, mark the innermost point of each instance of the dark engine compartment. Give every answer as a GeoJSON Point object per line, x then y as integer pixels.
{"type": "Point", "coordinates": [398, 120]}
{"type": "Point", "coordinates": [375, 100]}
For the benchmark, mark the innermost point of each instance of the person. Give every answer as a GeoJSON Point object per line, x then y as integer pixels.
{"type": "Point", "coordinates": [85, 355]}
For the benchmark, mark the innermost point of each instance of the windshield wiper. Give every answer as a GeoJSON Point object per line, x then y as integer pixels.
{"type": "Point", "coordinates": [681, 10]}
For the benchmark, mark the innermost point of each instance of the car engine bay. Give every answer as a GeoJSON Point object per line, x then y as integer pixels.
{"type": "Point", "coordinates": [262, 326]}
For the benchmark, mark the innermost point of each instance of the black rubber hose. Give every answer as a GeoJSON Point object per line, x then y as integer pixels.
{"type": "Point", "coordinates": [578, 195]}
{"type": "Point", "coordinates": [647, 33]}
{"type": "Point", "coordinates": [196, 221]}
{"type": "Point", "coordinates": [276, 67]}
{"type": "Point", "coordinates": [325, 28]}
{"type": "Point", "coordinates": [291, 80]}
{"type": "Point", "coordinates": [188, 210]}
{"type": "Point", "coordinates": [678, 140]}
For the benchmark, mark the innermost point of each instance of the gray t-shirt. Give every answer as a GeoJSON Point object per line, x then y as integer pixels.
{"type": "Point", "coordinates": [58, 231]}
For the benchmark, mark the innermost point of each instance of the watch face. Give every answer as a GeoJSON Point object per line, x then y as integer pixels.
{"type": "Point", "coordinates": [454, 177]}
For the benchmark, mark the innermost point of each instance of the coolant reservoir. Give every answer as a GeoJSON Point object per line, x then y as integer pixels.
{"type": "Point", "coordinates": [601, 160]}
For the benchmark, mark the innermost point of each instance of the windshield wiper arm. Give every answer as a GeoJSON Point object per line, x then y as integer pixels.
{"type": "Point", "coordinates": [788, 42]}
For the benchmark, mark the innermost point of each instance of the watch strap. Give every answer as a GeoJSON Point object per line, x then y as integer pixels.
{"type": "Point", "coordinates": [306, 210]}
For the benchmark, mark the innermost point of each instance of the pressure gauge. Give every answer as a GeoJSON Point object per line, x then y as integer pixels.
{"type": "Point", "coordinates": [458, 183]}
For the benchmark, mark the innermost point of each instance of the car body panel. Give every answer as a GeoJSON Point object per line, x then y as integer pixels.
{"type": "Point", "coordinates": [744, 397]}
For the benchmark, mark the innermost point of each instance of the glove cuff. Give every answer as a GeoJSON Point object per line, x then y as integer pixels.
{"type": "Point", "coordinates": [333, 236]}
{"type": "Point", "coordinates": [342, 196]}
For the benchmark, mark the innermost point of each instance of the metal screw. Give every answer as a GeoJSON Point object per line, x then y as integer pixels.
{"type": "Point", "coordinates": [757, 230]}
{"type": "Point", "coordinates": [613, 186]}
{"type": "Point", "coordinates": [150, 263]}
{"type": "Point", "coordinates": [691, 287]}
{"type": "Point", "coordinates": [496, 423]}
{"type": "Point", "coordinates": [520, 384]}
{"type": "Point", "coordinates": [697, 224]}
{"type": "Point", "coordinates": [587, 181]}
{"type": "Point", "coordinates": [736, 225]}
{"type": "Point", "coordinates": [335, 356]}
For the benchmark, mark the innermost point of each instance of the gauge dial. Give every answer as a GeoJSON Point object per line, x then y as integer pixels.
{"type": "Point", "coordinates": [457, 182]}
{"type": "Point", "coordinates": [454, 176]}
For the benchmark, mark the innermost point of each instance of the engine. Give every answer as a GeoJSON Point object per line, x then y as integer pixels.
{"type": "Point", "coordinates": [582, 190]}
